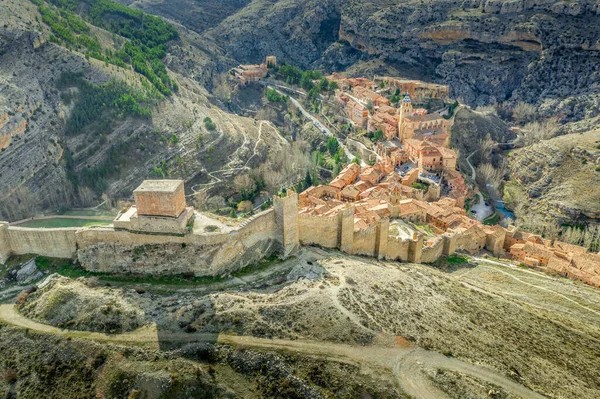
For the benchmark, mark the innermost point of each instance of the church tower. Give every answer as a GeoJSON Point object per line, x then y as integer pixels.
{"type": "Point", "coordinates": [405, 110]}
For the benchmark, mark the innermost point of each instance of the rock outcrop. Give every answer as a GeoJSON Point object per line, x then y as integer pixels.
{"type": "Point", "coordinates": [557, 179]}
{"type": "Point", "coordinates": [543, 52]}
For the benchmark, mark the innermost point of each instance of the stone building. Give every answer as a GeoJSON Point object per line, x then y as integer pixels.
{"type": "Point", "coordinates": [245, 74]}
{"type": "Point", "coordinates": [417, 125]}
{"type": "Point", "coordinates": [416, 89]}
{"type": "Point", "coordinates": [369, 96]}
{"type": "Point", "coordinates": [386, 122]}
{"type": "Point", "coordinates": [357, 112]}
{"type": "Point", "coordinates": [430, 157]}
{"type": "Point", "coordinates": [159, 208]}
{"type": "Point", "coordinates": [271, 61]}
{"type": "Point", "coordinates": [347, 176]}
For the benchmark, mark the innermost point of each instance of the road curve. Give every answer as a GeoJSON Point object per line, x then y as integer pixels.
{"type": "Point", "coordinates": [319, 125]}
{"type": "Point", "coordinates": [406, 363]}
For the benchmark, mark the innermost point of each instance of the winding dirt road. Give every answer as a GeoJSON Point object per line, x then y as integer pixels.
{"type": "Point", "coordinates": [406, 363]}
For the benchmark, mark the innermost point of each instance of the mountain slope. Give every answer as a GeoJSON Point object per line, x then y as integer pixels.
{"type": "Point", "coordinates": [544, 53]}
{"type": "Point", "coordinates": [557, 179]}
{"type": "Point", "coordinates": [61, 147]}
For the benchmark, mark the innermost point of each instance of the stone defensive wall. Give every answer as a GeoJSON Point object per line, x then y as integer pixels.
{"type": "Point", "coordinates": [56, 243]}
{"type": "Point", "coordinates": [433, 252]}
{"type": "Point", "coordinates": [104, 249]}
{"type": "Point", "coordinates": [280, 230]}
{"type": "Point", "coordinates": [318, 230]}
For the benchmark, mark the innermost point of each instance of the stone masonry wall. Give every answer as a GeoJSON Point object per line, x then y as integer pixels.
{"type": "Point", "coordinates": [286, 220]}
{"type": "Point", "coordinates": [317, 230]}
{"type": "Point", "coordinates": [397, 249]}
{"type": "Point", "coordinates": [280, 230]}
{"type": "Point", "coordinates": [4, 245]}
{"type": "Point", "coordinates": [365, 242]}
{"type": "Point", "coordinates": [55, 243]}
{"type": "Point", "coordinates": [107, 250]}
{"type": "Point", "coordinates": [434, 252]}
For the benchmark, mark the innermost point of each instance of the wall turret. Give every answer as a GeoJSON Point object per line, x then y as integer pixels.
{"type": "Point", "coordinates": [286, 219]}
{"type": "Point", "coordinates": [346, 231]}
{"type": "Point", "coordinates": [415, 249]}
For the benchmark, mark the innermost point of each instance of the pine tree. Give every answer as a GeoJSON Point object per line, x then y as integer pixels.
{"type": "Point", "coordinates": [308, 179]}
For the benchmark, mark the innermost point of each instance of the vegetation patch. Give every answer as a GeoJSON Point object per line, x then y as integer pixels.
{"type": "Point", "coordinates": [493, 219]}
{"type": "Point", "coordinates": [114, 99]}
{"type": "Point", "coordinates": [147, 35]}
{"type": "Point", "coordinates": [66, 268]}
{"type": "Point", "coordinates": [455, 259]}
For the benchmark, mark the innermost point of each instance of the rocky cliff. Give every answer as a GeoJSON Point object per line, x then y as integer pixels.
{"type": "Point", "coordinates": [44, 165]}
{"type": "Point", "coordinates": [557, 179]}
{"type": "Point", "coordinates": [544, 52]}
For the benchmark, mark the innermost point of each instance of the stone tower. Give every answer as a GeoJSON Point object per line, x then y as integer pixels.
{"type": "Point", "coordinates": [271, 61]}
{"type": "Point", "coordinates": [346, 231]}
{"type": "Point", "coordinates": [286, 219]}
{"type": "Point", "coordinates": [450, 241]}
{"type": "Point", "coordinates": [415, 249]}
{"type": "Point", "coordinates": [405, 110]}
{"type": "Point", "coordinates": [383, 231]}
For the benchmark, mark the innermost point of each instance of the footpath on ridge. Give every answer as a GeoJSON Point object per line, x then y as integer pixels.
{"type": "Point", "coordinates": [406, 363]}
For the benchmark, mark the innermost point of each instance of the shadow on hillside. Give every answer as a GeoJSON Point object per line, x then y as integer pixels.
{"type": "Point", "coordinates": [198, 322]}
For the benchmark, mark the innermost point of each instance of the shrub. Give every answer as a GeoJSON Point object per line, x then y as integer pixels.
{"type": "Point", "coordinates": [209, 124]}
{"type": "Point", "coordinates": [22, 298]}
{"type": "Point", "coordinates": [10, 376]}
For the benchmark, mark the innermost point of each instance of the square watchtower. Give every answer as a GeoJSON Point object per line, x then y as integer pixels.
{"type": "Point", "coordinates": [159, 208]}
{"type": "Point", "coordinates": [160, 198]}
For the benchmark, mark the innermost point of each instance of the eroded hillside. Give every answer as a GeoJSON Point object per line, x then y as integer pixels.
{"type": "Point", "coordinates": [557, 179]}
{"type": "Point", "coordinates": [544, 53]}
{"type": "Point", "coordinates": [74, 127]}
{"type": "Point", "coordinates": [466, 327]}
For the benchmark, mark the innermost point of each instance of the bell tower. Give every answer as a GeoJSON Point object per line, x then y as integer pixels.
{"type": "Point", "coordinates": [405, 110]}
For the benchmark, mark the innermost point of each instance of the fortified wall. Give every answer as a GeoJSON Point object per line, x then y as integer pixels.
{"type": "Point", "coordinates": [338, 232]}
{"type": "Point", "coordinates": [106, 249]}
{"type": "Point", "coordinates": [161, 235]}
{"type": "Point", "coordinates": [158, 235]}
{"type": "Point", "coordinates": [56, 243]}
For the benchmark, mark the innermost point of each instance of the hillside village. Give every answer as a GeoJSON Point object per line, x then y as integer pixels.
{"type": "Point", "coordinates": [296, 199]}
{"type": "Point", "coordinates": [414, 182]}
{"type": "Point", "coordinates": [409, 204]}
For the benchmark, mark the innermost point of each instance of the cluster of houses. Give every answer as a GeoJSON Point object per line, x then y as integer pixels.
{"type": "Point", "coordinates": [557, 257]}
{"type": "Point", "coordinates": [413, 137]}
{"type": "Point", "coordinates": [370, 110]}
{"type": "Point", "coordinates": [247, 73]}
{"type": "Point", "coordinates": [379, 191]}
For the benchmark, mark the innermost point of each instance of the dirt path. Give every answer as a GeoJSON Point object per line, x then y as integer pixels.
{"type": "Point", "coordinates": [537, 286]}
{"type": "Point", "coordinates": [406, 363]}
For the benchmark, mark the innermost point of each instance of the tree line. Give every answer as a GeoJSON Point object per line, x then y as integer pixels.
{"type": "Point", "coordinates": [148, 36]}
{"type": "Point", "coordinates": [94, 101]}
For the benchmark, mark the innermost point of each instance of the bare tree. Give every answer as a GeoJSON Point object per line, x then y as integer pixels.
{"type": "Point", "coordinates": [535, 132]}
{"type": "Point", "coordinates": [86, 196]}
{"type": "Point", "coordinates": [244, 183]}
{"type": "Point", "coordinates": [523, 112]}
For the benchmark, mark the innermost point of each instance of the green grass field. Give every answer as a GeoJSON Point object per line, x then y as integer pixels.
{"type": "Point", "coordinates": [64, 222]}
